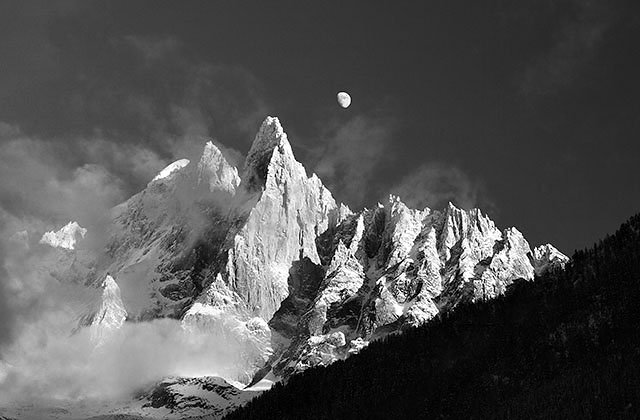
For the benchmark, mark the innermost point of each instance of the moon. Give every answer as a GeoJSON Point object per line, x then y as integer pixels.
{"type": "Point", "coordinates": [344, 100]}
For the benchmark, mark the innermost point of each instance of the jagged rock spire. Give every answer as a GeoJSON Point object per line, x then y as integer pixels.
{"type": "Point", "coordinates": [547, 257]}
{"type": "Point", "coordinates": [270, 149]}
{"type": "Point", "coordinates": [403, 267]}
{"type": "Point", "coordinates": [214, 170]}
{"type": "Point", "coordinates": [108, 314]}
{"type": "Point", "coordinates": [282, 226]}
{"type": "Point", "coordinates": [67, 237]}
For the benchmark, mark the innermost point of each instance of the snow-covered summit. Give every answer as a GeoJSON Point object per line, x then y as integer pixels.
{"type": "Point", "coordinates": [390, 267]}
{"type": "Point", "coordinates": [67, 237]}
{"type": "Point", "coordinates": [270, 136]}
{"type": "Point", "coordinates": [548, 257]}
{"type": "Point", "coordinates": [170, 169]}
{"type": "Point", "coordinates": [214, 170]}
{"type": "Point", "coordinates": [107, 314]}
{"type": "Point", "coordinates": [270, 150]}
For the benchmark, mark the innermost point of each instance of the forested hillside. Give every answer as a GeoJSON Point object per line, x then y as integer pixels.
{"type": "Point", "coordinates": [564, 346]}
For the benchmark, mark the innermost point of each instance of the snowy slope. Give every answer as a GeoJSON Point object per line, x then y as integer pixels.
{"type": "Point", "coordinates": [206, 398]}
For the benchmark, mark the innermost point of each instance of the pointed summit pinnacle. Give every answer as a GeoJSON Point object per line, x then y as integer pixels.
{"type": "Point", "coordinates": [270, 137]}
{"type": "Point", "coordinates": [215, 171]}
{"type": "Point", "coordinates": [67, 237]}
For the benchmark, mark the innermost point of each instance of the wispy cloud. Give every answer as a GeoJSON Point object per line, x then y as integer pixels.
{"type": "Point", "coordinates": [153, 48]}
{"type": "Point", "coordinates": [74, 180]}
{"type": "Point", "coordinates": [145, 92]}
{"type": "Point", "coordinates": [7, 323]}
{"type": "Point", "coordinates": [192, 98]}
{"type": "Point", "coordinates": [42, 188]}
{"type": "Point", "coordinates": [44, 185]}
{"type": "Point", "coordinates": [46, 365]}
{"type": "Point", "coordinates": [349, 153]}
{"type": "Point", "coordinates": [434, 184]}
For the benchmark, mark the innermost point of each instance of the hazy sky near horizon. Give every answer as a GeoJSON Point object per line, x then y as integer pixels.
{"type": "Point", "coordinates": [529, 109]}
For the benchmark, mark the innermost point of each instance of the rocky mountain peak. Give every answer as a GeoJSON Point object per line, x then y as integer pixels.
{"type": "Point", "coordinates": [110, 288]}
{"type": "Point", "coordinates": [479, 230]}
{"type": "Point", "coordinates": [286, 217]}
{"type": "Point", "coordinates": [215, 171]}
{"type": "Point", "coordinates": [270, 147]}
{"type": "Point", "coordinates": [392, 267]}
{"type": "Point", "coordinates": [547, 257]}
{"type": "Point", "coordinates": [67, 237]}
{"type": "Point", "coordinates": [107, 314]}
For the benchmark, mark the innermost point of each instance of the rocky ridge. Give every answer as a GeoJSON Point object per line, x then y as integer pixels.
{"type": "Point", "coordinates": [393, 267]}
{"type": "Point", "coordinates": [66, 237]}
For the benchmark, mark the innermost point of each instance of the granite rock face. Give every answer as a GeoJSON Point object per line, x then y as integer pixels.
{"type": "Point", "coordinates": [214, 171]}
{"type": "Point", "coordinates": [278, 214]}
{"type": "Point", "coordinates": [66, 237]}
{"type": "Point", "coordinates": [547, 257]}
{"type": "Point", "coordinates": [290, 211]}
{"type": "Point", "coordinates": [164, 239]}
{"type": "Point", "coordinates": [109, 313]}
{"type": "Point", "coordinates": [392, 267]}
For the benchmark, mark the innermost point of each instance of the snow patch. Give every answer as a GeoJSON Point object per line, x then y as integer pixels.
{"type": "Point", "coordinates": [169, 170]}
{"type": "Point", "coordinates": [66, 238]}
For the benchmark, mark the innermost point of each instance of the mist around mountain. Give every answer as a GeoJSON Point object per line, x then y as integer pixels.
{"type": "Point", "coordinates": [564, 346]}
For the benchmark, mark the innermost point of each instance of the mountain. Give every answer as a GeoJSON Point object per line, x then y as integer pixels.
{"type": "Point", "coordinates": [190, 397]}
{"type": "Point", "coordinates": [390, 268]}
{"type": "Point", "coordinates": [265, 259]}
{"type": "Point", "coordinates": [66, 237]}
{"type": "Point", "coordinates": [201, 398]}
{"type": "Point", "coordinates": [109, 313]}
{"type": "Point", "coordinates": [564, 346]}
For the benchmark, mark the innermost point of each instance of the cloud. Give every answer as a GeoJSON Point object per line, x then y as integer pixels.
{"type": "Point", "coordinates": [210, 98]}
{"type": "Point", "coordinates": [170, 99]}
{"type": "Point", "coordinates": [434, 184]}
{"type": "Point", "coordinates": [45, 185]}
{"type": "Point", "coordinates": [353, 159]}
{"type": "Point", "coordinates": [40, 180]}
{"type": "Point", "coordinates": [348, 155]}
{"type": "Point", "coordinates": [576, 43]}
{"type": "Point", "coordinates": [46, 365]}
{"type": "Point", "coordinates": [7, 322]}
{"type": "Point", "coordinates": [8, 130]}
{"type": "Point", "coordinates": [153, 48]}
{"type": "Point", "coordinates": [21, 298]}
{"type": "Point", "coordinates": [142, 92]}
{"type": "Point", "coordinates": [41, 361]}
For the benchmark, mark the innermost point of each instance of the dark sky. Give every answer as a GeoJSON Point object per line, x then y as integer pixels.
{"type": "Point", "coordinates": [529, 110]}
